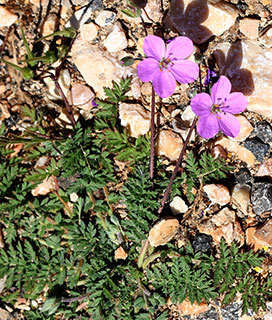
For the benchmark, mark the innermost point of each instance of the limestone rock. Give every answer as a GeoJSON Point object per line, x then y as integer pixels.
{"type": "Point", "coordinates": [4, 315]}
{"type": "Point", "coordinates": [45, 187]}
{"type": "Point", "coordinates": [241, 152]}
{"type": "Point", "coordinates": [120, 253]}
{"type": "Point", "coordinates": [163, 232]}
{"type": "Point", "coordinates": [88, 31]}
{"type": "Point", "coordinates": [186, 308]}
{"type": "Point", "coordinates": [7, 18]}
{"type": "Point", "coordinates": [178, 205]}
{"type": "Point", "coordinates": [37, 3]}
{"type": "Point", "coordinates": [153, 9]}
{"type": "Point", "coordinates": [64, 81]}
{"type": "Point", "coordinates": [105, 17]}
{"type": "Point", "coordinates": [250, 28]}
{"type": "Point", "coordinates": [265, 169]}
{"type": "Point", "coordinates": [116, 40]}
{"type": "Point", "coordinates": [217, 193]}
{"type": "Point", "coordinates": [135, 118]}
{"type": "Point", "coordinates": [82, 96]}
{"type": "Point", "coordinates": [199, 20]}
{"type": "Point", "coordinates": [245, 129]}
{"type": "Point", "coordinates": [49, 25]}
{"type": "Point", "coordinates": [223, 224]}
{"type": "Point", "coordinates": [169, 144]}
{"type": "Point", "coordinates": [241, 199]}
{"type": "Point", "coordinates": [245, 64]}
{"type": "Point", "coordinates": [266, 38]}
{"type": "Point", "coordinates": [260, 237]}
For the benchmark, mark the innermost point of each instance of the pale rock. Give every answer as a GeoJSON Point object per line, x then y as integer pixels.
{"type": "Point", "coordinates": [268, 315]}
{"type": "Point", "coordinates": [223, 224]}
{"type": "Point", "coordinates": [88, 31]}
{"type": "Point", "coordinates": [163, 232]}
{"type": "Point", "coordinates": [82, 96]}
{"type": "Point", "coordinates": [169, 144]}
{"type": "Point", "coordinates": [41, 162]}
{"type": "Point", "coordinates": [2, 280]}
{"type": "Point", "coordinates": [241, 152]}
{"type": "Point", "coordinates": [64, 82]}
{"type": "Point", "coordinates": [2, 88]}
{"type": "Point", "coordinates": [49, 25]}
{"type": "Point", "coordinates": [116, 40]}
{"type": "Point", "coordinates": [218, 151]}
{"type": "Point", "coordinates": [245, 64]}
{"type": "Point", "coordinates": [178, 205]}
{"type": "Point", "coordinates": [153, 10]}
{"type": "Point", "coordinates": [105, 17]}
{"type": "Point", "coordinates": [200, 20]}
{"type": "Point", "coordinates": [250, 27]}
{"type": "Point", "coordinates": [217, 193]}
{"type": "Point", "coordinates": [187, 309]}
{"type": "Point", "coordinates": [241, 199]}
{"type": "Point", "coordinates": [45, 187]}
{"type": "Point", "coordinates": [265, 169]}
{"type": "Point", "coordinates": [266, 38]}
{"type": "Point", "coordinates": [17, 147]}
{"type": "Point", "coordinates": [7, 18]}
{"type": "Point", "coordinates": [120, 253]}
{"type": "Point", "coordinates": [245, 129]}
{"type": "Point", "coordinates": [73, 197]}
{"type": "Point", "coordinates": [188, 116]}
{"type": "Point", "coordinates": [135, 87]}
{"type": "Point", "coordinates": [260, 237]}
{"type": "Point", "coordinates": [37, 3]}
{"type": "Point", "coordinates": [64, 121]}
{"type": "Point", "coordinates": [146, 89]}
{"type": "Point", "coordinates": [4, 315]}
{"type": "Point", "coordinates": [78, 19]}
{"type": "Point", "coordinates": [4, 111]}
{"type": "Point", "coordinates": [135, 118]}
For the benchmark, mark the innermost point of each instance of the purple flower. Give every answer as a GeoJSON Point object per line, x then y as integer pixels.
{"type": "Point", "coordinates": [216, 110]}
{"type": "Point", "coordinates": [164, 65]}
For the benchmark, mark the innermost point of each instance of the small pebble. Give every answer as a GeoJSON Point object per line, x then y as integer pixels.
{"type": "Point", "coordinates": [217, 193]}
{"type": "Point", "coordinates": [250, 27]}
{"type": "Point", "coordinates": [169, 144]}
{"type": "Point", "coordinates": [116, 40]}
{"type": "Point", "coordinates": [202, 242]}
{"type": "Point", "coordinates": [7, 18]}
{"type": "Point", "coordinates": [178, 205]}
{"type": "Point", "coordinates": [261, 197]}
{"type": "Point", "coordinates": [245, 129]}
{"type": "Point", "coordinates": [258, 148]}
{"type": "Point", "coordinates": [263, 131]}
{"type": "Point", "coordinates": [105, 18]}
{"type": "Point", "coordinates": [49, 25]}
{"type": "Point", "coordinates": [88, 31]}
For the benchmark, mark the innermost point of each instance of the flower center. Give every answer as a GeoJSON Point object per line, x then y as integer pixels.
{"type": "Point", "coordinates": [164, 63]}
{"type": "Point", "coordinates": [219, 107]}
{"type": "Point", "coordinates": [215, 109]}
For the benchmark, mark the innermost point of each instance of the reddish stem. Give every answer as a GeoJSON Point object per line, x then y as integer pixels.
{"type": "Point", "coordinates": [152, 138]}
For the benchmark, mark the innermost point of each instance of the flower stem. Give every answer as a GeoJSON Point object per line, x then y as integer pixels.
{"type": "Point", "coordinates": [166, 194]}
{"type": "Point", "coordinates": [152, 138]}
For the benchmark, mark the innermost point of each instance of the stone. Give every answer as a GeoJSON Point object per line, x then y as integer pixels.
{"type": "Point", "coordinates": [49, 25]}
{"type": "Point", "coordinates": [245, 64]}
{"type": "Point", "coordinates": [7, 18]}
{"type": "Point", "coordinates": [250, 27]}
{"type": "Point", "coordinates": [45, 187]}
{"type": "Point", "coordinates": [202, 242]}
{"type": "Point", "coordinates": [169, 144]}
{"type": "Point", "coordinates": [105, 18]}
{"type": "Point", "coordinates": [64, 81]}
{"type": "Point", "coordinates": [178, 205]}
{"type": "Point", "coordinates": [88, 31]}
{"type": "Point", "coordinates": [258, 148]}
{"type": "Point", "coordinates": [263, 131]}
{"type": "Point", "coordinates": [217, 193]}
{"type": "Point", "coordinates": [245, 129]}
{"type": "Point", "coordinates": [38, 3]}
{"type": "Point", "coordinates": [241, 199]}
{"type": "Point", "coordinates": [135, 118]}
{"type": "Point", "coordinates": [218, 151]}
{"type": "Point", "coordinates": [223, 224]}
{"type": "Point", "coordinates": [261, 197]}
{"type": "Point", "coordinates": [153, 10]}
{"type": "Point", "coordinates": [241, 152]}
{"type": "Point", "coordinates": [186, 308]}
{"type": "Point", "coordinates": [78, 19]}
{"type": "Point", "coordinates": [116, 40]}
{"type": "Point", "coordinates": [200, 20]}
{"type": "Point", "coordinates": [265, 169]}
{"type": "Point", "coordinates": [163, 231]}
{"type": "Point", "coordinates": [266, 38]}
{"type": "Point", "coordinates": [268, 315]}
{"type": "Point", "coordinates": [82, 96]}
{"type": "Point", "coordinates": [120, 253]}
{"type": "Point", "coordinates": [243, 176]}
{"type": "Point", "coordinates": [4, 315]}
{"type": "Point", "coordinates": [260, 237]}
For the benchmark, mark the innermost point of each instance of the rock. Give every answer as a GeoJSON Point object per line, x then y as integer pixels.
{"type": "Point", "coordinates": [258, 148]}
{"type": "Point", "coordinates": [241, 199]}
{"type": "Point", "coordinates": [250, 27]}
{"type": "Point", "coordinates": [49, 25]}
{"type": "Point", "coordinates": [2, 281]}
{"type": "Point", "coordinates": [64, 81]}
{"type": "Point", "coordinates": [261, 197]}
{"type": "Point", "coordinates": [78, 19]}
{"type": "Point", "coordinates": [202, 242]}
{"type": "Point", "coordinates": [120, 253]}
{"type": "Point", "coordinates": [200, 20]}
{"type": "Point", "coordinates": [243, 176]}
{"type": "Point", "coordinates": [241, 152]}
{"type": "Point", "coordinates": [268, 315]}
{"type": "Point", "coordinates": [7, 18]}
{"type": "Point", "coordinates": [263, 131]}
{"type": "Point", "coordinates": [223, 224]}
{"type": "Point", "coordinates": [105, 17]}
{"type": "Point", "coordinates": [38, 3]}
{"type": "Point", "coordinates": [266, 38]}
{"type": "Point", "coordinates": [4, 315]}
{"type": "Point", "coordinates": [178, 205]}
{"type": "Point", "coordinates": [153, 9]}
{"type": "Point", "coordinates": [186, 308]}
{"type": "Point", "coordinates": [217, 193]}
{"type": "Point", "coordinates": [82, 96]}
{"type": "Point", "coordinates": [188, 116]}
{"type": "Point", "coordinates": [88, 31]}
{"type": "Point", "coordinates": [245, 129]}
{"type": "Point", "coordinates": [45, 187]}
{"type": "Point", "coordinates": [169, 144]}
{"type": "Point", "coordinates": [218, 151]}
{"type": "Point", "coordinates": [135, 118]}
{"type": "Point", "coordinates": [245, 64]}
{"type": "Point", "coordinates": [265, 169]}
{"type": "Point", "coordinates": [260, 237]}
{"type": "Point", "coordinates": [116, 40]}
{"type": "Point", "coordinates": [163, 232]}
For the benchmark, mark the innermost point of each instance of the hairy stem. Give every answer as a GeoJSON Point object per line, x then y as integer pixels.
{"type": "Point", "coordinates": [166, 194]}
{"type": "Point", "coordinates": [152, 138]}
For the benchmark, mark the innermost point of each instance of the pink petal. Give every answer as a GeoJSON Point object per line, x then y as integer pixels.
{"type": "Point", "coordinates": [229, 124]}
{"type": "Point", "coordinates": [179, 48]}
{"type": "Point", "coordinates": [208, 127]}
{"type": "Point", "coordinates": [201, 104]}
{"type": "Point", "coordinates": [154, 47]}
{"type": "Point", "coordinates": [220, 90]}
{"type": "Point", "coordinates": [184, 71]}
{"type": "Point", "coordinates": [164, 83]}
{"type": "Point", "coordinates": [147, 68]}
{"type": "Point", "coordinates": [235, 103]}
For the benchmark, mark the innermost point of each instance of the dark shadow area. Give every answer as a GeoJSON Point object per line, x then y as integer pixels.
{"type": "Point", "coordinates": [188, 21]}
{"type": "Point", "coordinates": [230, 66]}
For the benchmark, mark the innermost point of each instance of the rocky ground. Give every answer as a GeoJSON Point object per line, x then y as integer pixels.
{"type": "Point", "coordinates": [232, 37]}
